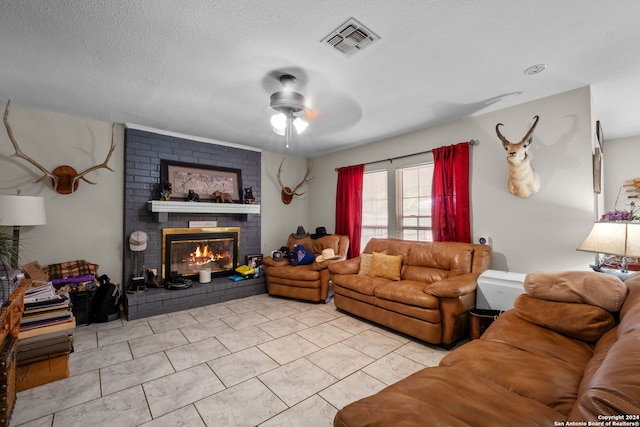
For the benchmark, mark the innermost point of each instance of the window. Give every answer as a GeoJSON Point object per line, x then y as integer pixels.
{"type": "Point", "coordinates": [375, 217]}
{"type": "Point", "coordinates": [396, 200]}
{"type": "Point", "coordinates": [414, 202]}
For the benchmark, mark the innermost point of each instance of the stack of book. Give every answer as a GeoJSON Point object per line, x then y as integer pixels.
{"type": "Point", "coordinates": [47, 325]}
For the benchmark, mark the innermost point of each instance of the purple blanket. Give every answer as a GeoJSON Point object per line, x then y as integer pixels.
{"type": "Point", "coordinates": [74, 279]}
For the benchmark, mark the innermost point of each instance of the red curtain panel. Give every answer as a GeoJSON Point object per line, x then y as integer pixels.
{"type": "Point", "coordinates": [450, 194]}
{"type": "Point", "coordinates": [349, 206]}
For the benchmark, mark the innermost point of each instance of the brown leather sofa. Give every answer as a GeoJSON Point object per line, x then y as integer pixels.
{"type": "Point", "coordinates": [434, 293]}
{"type": "Point", "coordinates": [306, 282]}
{"type": "Point", "coordinates": [521, 373]}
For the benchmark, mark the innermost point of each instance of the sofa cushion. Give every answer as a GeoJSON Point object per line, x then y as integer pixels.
{"type": "Point", "coordinates": [511, 329]}
{"type": "Point", "coordinates": [366, 262]}
{"type": "Point", "coordinates": [614, 388]}
{"type": "Point", "coordinates": [439, 397]}
{"type": "Point", "coordinates": [356, 283]}
{"type": "Point", "coordinates": [389, 247]}
{"type": "Point", "coordinates": [581, 321]}
{"type": "Point", "coordinates": [601, 290]}
{"type": "Point", "coordinates": [453, 257]}
{"type": "Point", "coordinates": [519, 371]}
{"type": "Point", "coordinates": [407, 292]}
{"type": "Point", "coordinates": [386, 266]}
{"type": "Point", "coordinates": [630, 312]}
{"type": "Point", "coordinates": [424, 274]}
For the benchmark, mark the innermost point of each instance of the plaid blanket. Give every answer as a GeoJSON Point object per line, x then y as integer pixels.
{"type": "Point", "coordinates": [71, 269]}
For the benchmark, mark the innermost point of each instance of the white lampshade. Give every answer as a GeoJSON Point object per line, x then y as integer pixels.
{"type": "Point", "coordinates": [613, 238]}
{"type": "Point", "coordinates": [22, 210]}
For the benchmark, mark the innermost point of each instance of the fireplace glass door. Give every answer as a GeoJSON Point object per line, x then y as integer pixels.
{"type": "Point", "coordinates": [188, 251]}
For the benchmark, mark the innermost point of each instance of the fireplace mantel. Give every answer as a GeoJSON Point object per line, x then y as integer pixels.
{"type": "Point", "coordinates": [161, 209]}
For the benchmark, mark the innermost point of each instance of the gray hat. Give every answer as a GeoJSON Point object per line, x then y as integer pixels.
{"type": "Point", "coordinates": [300, 233]}
{"type": "Point", "coordinates": [138, 241]}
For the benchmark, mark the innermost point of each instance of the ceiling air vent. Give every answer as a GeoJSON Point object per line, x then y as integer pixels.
{"type": "Point", "coordinates": [350, 37]}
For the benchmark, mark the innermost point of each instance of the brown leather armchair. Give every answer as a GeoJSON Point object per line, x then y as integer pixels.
{"type": "Point", "coordinates": [307, 282]}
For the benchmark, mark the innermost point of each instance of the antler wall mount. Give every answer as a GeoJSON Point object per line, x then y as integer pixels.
{"type": "Point", "coordinates": [523, 180]}
{"type": "Point", "coordinates": [286, 193]}
{"type": "Point", "coordinates": [64, 179]}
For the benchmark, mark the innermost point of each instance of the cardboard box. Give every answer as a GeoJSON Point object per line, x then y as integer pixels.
{"type": "Point", "coordinates": [42, 372]}
{"type": "Point", "coordinates": [35, 272]}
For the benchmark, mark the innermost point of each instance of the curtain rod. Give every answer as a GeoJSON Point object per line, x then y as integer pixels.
{"type": "Point", "coordinates": [472, 142]}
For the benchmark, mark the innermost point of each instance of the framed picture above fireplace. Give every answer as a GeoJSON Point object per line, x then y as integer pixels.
{"type": "Point", "coordinates": [202, 179]}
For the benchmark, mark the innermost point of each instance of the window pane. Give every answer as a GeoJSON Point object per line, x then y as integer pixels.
{"type": "Point", "coordinates": [375, 217]}
{"type": "Point", "coordinates": [414, 210]}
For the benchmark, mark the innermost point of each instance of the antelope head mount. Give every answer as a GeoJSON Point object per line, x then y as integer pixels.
{"type": "Point", "coordinates": [64, 179]}
{"type": "Point", "coordinates": [523, 180]}
{"type": "Point", "coordinates": [286, 193]}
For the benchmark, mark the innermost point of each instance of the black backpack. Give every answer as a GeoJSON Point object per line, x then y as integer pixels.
{"type": "Point", "coordinates": [106, 301]}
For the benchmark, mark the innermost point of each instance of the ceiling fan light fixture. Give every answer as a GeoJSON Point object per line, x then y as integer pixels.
{"type": "Point", "coordinates": [279, 123]}
{"type": "Point", "coordinates": [300, 125]}
{"type": "Point", "coordinates": [287, 102]}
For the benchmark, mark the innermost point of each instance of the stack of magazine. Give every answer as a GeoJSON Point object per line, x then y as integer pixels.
{"type": "Point", "coordinates": [47, 325]}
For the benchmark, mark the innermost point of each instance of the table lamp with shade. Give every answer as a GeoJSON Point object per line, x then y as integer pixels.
{"type": "Point", "coordinates": [17, 211]}
{"type": "Point", "coordinates": [616, 239]}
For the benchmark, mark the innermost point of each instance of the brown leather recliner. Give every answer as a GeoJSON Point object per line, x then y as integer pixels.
{"type": "Point", "coordinates": [307, 282]}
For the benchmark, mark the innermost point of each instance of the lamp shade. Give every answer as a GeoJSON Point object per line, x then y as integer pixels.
{"type": "Point", "coordinates": [613, 238]}
{"type": "Point", "coordinates": [22, 210]}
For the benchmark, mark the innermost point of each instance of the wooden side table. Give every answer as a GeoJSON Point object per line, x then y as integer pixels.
{"type": "Point", "coordinates": [10, 316]}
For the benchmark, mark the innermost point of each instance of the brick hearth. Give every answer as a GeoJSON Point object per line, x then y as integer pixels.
{"type": "Point", "coordinates": [161, 301]}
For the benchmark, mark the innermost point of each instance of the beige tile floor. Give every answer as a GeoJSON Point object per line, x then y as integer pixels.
{"type": "Point", "coordinates": [254, 361]}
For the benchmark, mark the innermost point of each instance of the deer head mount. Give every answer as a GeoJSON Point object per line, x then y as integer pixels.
{"type": "Point", "coordinates": [286, 194]}
{"type": "Point", "coordinates": [523, 180]}
{"type": "Point", "coordinates": [65, 179]}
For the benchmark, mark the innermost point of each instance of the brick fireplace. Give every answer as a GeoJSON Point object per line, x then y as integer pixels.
{"type": "Point", "coordinates": [143, 154]}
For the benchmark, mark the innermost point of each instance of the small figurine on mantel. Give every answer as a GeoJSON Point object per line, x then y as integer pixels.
{"type": "Point", "coordinates": [192, 196]}
{"type": "Point", "coordinates": [248, 196]}
{"type": "Point", "coordinates": [220, 197]}
{"type": "Point", "coordinates": [165, 191]}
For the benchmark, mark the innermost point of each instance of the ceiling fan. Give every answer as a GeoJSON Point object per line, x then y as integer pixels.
{"type": "Point", "coordinates": [289, 104]}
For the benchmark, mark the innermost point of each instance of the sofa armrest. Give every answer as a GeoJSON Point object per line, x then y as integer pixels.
{"type": "Point", "coordinates": [453, 287]}
{"type": "Point", "coordinates": [270, 262]}
{"type": "Point", "coordinates": [349, 266]}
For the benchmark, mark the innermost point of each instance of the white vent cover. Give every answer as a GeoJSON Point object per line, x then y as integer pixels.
{"type": "Point", "coordinates": [351, 37]}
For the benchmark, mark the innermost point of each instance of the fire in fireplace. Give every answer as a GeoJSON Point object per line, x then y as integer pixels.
{"type": "Point", "coordinates": [187, 251]}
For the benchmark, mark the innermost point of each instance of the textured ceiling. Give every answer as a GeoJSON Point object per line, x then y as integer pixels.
{"type": "Point", "coordinates": [206, 68]}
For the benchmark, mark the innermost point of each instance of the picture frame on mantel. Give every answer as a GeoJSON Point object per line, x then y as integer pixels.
{"type": "Point", "coordinates": [202, 179]}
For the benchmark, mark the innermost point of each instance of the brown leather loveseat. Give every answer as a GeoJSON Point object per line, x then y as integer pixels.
{"type": "Point", "coordinates": [559, 358]}
{"type": "Point", "coordinates": [423, 289]}
{"type": "Point", "coordinates": [307, 282]}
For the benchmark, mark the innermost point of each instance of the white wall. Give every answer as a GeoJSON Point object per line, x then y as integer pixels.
{"type": "Point", "coordinates": [86, 224]}
{"type": "Point", "coordinates": [539, 233]}
{"type": "Point", "coordinates": [277, 219]}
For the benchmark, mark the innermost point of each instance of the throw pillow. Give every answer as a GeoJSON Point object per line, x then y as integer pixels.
{"type": "Point", "coordinates": [582, 321]}
{"type": "Point", "coordinates": [366, 262]}
{"type": "Point", "coordinates": [387, 266]}
{"type": "Point", "coordinates": [597, 289]}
